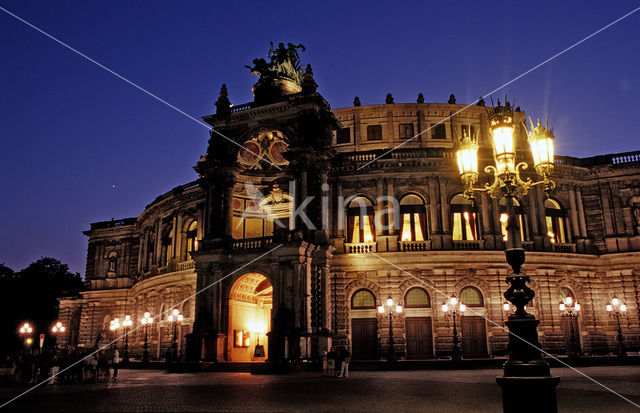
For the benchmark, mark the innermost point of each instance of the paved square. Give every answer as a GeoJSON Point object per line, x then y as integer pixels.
{"type": "Point", "coordinates": [426, 391]}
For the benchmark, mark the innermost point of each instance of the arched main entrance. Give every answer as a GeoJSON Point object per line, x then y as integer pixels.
{"type": "Point", "coordinates": [250, 305]}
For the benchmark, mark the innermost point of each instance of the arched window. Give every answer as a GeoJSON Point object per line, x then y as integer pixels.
{"type": "Point", "coordinates": [465, 219]}
{"type": "Point", "coordinates": [417, 297]}
{"type": "Point", "coordinates": [192, 238]}
{"type": "Point", "coordinates": [360, 220]}
{"type": "Point", "coordinates": [519, 215]}
{"type": "Point", "coordinates": [363, 299]}
{"type": "Point", "coordinates": [556, 220]}
{"type": "Point", "coordinates": [471, 297]}
{"type": "Point", "coordinates": [564, 293]}
{"type": "Point", "coordinates": [413, 215]}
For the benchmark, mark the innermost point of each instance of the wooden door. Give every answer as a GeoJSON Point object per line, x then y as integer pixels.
{"type": "Point", "coordinates": [566, 328]}
{"type": "Point", "coordinates": [364, 338]}
{"type": "Point", "coordinates": [474, 337]}
{"type": "Point", "coordinates": [419, 338]}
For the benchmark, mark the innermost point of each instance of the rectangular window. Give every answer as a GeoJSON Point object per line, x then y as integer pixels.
{"type": "Point", "coordinates": [374, 132]}
{"type": "Point", "coordinates": [343, 135]}
{"type": "Point", "coordinates": [406, 131]}
{"type": "Point", "coordinates": [468, 130]}
{"type": "Point", "coordinates": [438, 131]}
{"type": "Point", "coordinates": [464, 226]}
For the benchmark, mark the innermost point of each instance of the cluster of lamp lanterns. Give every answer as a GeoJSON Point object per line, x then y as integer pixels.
{"type": "Point", "coordinates": [175, 318]}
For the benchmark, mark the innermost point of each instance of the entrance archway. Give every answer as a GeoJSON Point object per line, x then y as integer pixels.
{"type": "Point", "coordinates": [250, 305]}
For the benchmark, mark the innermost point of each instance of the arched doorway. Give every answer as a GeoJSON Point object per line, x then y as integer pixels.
{"type": "Point", "coordinates": [250, 305]}
{"type": "Point", "coordinates": [364, 326]}
{"type": "Point", "coordinates": [419, 336]}
{"type": "Point", "coordinates": [474, 332]}
{"type": "Point", "coordinates": [570, 325]}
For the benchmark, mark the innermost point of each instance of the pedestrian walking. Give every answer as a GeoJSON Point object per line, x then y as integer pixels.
{"type": "Point", "coordinates": [331, 361]}
{"type": "Point", "coordinates": [345, 357]}
{"type": "Point", "coordinates": [116, 362]}
{"type": "Point", "coordinates": [325, 365]}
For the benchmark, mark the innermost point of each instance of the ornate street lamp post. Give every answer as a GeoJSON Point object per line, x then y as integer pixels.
{"type": "Point", "coordinates": [25, 330]}
{"type": "Point", "coordinates": [392, 311]}
{"type": "Point", "coordinates": [570, 308]}
{"type": "Point", "coordinates": [126, 323]}
{"type": "Point", "coordinates": [175, 318]}
{"type": "Point", "coordinates": [114, 325]}
{"type": "Point", "coordinates": [58, 328]}
{"type": "Point", "coordinates": [527, 380]}
{"type": "Point", "coordinates": [146, 321]}
{"type": "Point", "coordinates": [616, 308]}
{"type": "Point", "coordinates": [454, 309]}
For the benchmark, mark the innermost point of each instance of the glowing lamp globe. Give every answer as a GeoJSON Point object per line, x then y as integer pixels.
{"type": "Point", "coordinates": [541, 144]}
{"type": "Point", "coordinates": [501, 124]}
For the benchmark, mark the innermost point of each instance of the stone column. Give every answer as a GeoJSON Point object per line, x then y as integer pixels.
{"type": "Point", "coordinates": [433, 208]}
{"type": "Point", "coordinates": [341, 218]}
{"type": "Point", "coordinates": [391, 215]}
{"type": "Point", "coordinates": [177, 251]}
{"type": "Point", "coordinates": [174, 234]}
{"type": "Point", "coordinates": [379, 207]}
{"type": "Point", "coordinates": [228, 210]}
{"type": "Point", "coordinates": [573, 211]}
{"type": "Point", "coordinates": [158, 246]}
{"type": "Point", "coordinates": [606, 210]}
{"type": "Point", "coordinates": [141, 252]}
{"type": "Point", "coordinates": [486, 221]}
{"type": "Point", "coordinates": [581, 217]}
{"type": "Point", "coordinates": [444, 204]}
{"type": "Point", "coordinates": [533, 213]}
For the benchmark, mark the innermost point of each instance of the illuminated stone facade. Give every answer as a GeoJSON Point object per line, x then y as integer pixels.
{"type": "Point", "coordinates": [307, 288]}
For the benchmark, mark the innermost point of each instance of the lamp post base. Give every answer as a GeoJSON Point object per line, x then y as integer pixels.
{"type": "Point", "coordinates": [529, 394]}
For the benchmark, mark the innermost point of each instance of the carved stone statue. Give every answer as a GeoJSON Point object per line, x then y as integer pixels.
{"type": "Point", "coordinates": [420, 98]}
{"type": "Point", "coordinates": [285, 63]}
{"type": "Point", "coordinates": [389, 99]}
{"type": "Point", "coordinates": [452, 99]}
{"type": "Point", "coordinates": [356, 101]}
{"type": "Point", "coordinates": [281, 76]}
{"type": "Point", "coordinates": [636, 213]}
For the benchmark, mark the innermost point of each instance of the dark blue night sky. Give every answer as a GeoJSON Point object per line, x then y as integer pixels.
{"type": "Point", "coordinates": [70, 131]}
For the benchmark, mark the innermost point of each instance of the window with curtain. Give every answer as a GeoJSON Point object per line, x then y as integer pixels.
{"type": "Point", "coordinates": [360, 221]}
{"type": "Point", "coordinates": [414, 218]}
{"type": "Point", "coordinates": [363, 299]}
{"type": "Point", "coordinates": [556, 221]}
{"type": "Point", "coordinates": [519, 216]}
{"type": "Point", "coordinates": [417, 297]}
{"type": "Point", "coordinates": [471, 297]}
{"type": "Point", "coordinates": [465, 219]}
{"type": "Point", "coordinates": [192, 238]}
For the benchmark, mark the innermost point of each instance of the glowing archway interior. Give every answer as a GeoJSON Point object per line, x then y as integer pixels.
{"type": "Point", "coordinates": [250, 305]}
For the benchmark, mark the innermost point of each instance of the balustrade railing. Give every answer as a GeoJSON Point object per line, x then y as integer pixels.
{"type": "Point", "coordinates": [251, 243]}
{"type": "Point", "coordinates": [557, 247]}
{"type": "Point", "coordinates": [185, 265]}
{"type": "Point", "coordinates": [360, 248]}
{"type": "Point", "coordinates": [414, 245]}
{"type": "Point", "coordinates": [468, 245]}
